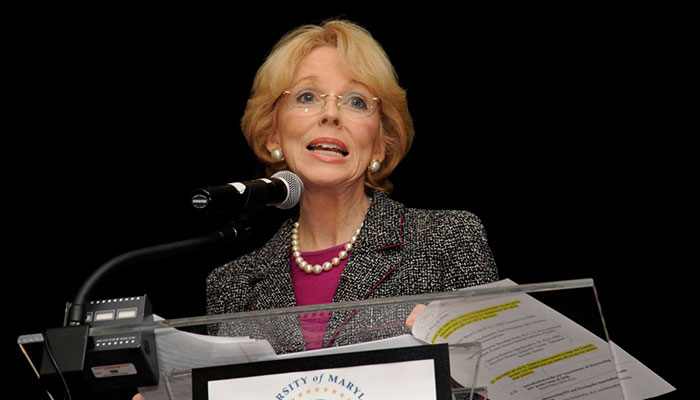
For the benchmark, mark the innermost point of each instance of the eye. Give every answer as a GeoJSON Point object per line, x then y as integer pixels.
{"type": "Point", "coordinates": [355, 101]}
{"type": "Point", "coordinates": [306, 97]}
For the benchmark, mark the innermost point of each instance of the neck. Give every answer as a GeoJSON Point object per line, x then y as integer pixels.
{"type": "Point", "coordinates": [330, 218]}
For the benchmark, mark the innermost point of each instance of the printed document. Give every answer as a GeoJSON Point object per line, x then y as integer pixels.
{"type": "Point", "coordinates": [530, 351]}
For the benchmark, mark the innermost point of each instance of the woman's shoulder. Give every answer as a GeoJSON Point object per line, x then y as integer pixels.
{"type": "Point", "coordinates": [234, 272]}
{"type": "Point", "coordinates": [444, 222]}
{"type": "Point", "coordinates": [251, 263]}
{"type": "Point", "coordinates": [384, 202]}
{"type": "Point", "coordinates": [433, 222]}
{"type": "Point", "coordinates": [464, 217]}
{"type": "Point", "coordinates": [240, 263]}
{"type": "Point", "coordinates": [454, 239]}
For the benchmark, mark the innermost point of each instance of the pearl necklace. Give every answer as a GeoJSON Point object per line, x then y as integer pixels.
{"type": "Point", "coordinates": [326, 266]}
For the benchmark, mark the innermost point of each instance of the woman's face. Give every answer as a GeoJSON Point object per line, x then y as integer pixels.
{"type": "Point", "coordinates": [326, 145]}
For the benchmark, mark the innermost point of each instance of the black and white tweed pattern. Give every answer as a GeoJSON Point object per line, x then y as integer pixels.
{"type": "Point", "coordinates": [400, 251]}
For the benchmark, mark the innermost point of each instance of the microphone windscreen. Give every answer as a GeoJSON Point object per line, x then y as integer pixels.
{"type": "Point", "coordinates": [295, 187]}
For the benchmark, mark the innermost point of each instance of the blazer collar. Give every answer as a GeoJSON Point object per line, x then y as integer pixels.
{"type": "Point", "coordinates": [384, 222]}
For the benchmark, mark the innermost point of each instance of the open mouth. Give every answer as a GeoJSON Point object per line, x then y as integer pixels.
{"type": "Point", "coordinates": [326, 148]}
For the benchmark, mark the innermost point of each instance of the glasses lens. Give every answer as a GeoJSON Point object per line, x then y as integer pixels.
{"type": "Point", "coordinates": [359, 102]}
{"type": "Point", "coordinates": [304, 98]}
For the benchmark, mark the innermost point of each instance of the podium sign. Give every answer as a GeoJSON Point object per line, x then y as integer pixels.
{"type": "Point", "coordinates": [420, 373]}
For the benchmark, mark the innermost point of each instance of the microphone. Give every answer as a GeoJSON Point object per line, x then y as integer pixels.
{"type": "Point", "coordinates": [283, 190]}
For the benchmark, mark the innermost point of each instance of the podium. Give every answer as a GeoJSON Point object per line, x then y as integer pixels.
{"type": "Point", "coordinates": [495, 341]}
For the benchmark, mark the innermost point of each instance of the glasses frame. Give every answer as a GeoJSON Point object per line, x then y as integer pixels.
{"type": "Point", "coordinates": [339, 98]}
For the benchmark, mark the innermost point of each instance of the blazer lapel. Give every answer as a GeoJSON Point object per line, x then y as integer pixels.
{"type": "Point", "coordinates": [375, 257]}
{"type": "Point", "coordinates": [271, 282]}
{"type": "Point", "coordinates": [375, 252]}
{"type": "Point", "coordinates": [271, 287]}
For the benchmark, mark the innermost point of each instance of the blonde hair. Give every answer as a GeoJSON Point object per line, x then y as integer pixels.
{"type": "Point", "coordinates": [365, 61]}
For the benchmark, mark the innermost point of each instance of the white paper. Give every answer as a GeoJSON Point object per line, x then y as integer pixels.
{"type": "Point", "coordinates": [179, 352]}
{"type": "Point", "coordinates": [389, 343]}
{"type": "Point", "coordinates": [530, 351]}
{"type": "Point", "coordinates": [638, 381]}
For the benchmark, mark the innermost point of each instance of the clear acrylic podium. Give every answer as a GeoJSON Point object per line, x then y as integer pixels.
{"type": "Point", "coordinates": [505, 341]}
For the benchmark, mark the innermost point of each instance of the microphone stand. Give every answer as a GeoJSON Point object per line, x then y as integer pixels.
{"type": "Point", "coordinates": [235, 231]}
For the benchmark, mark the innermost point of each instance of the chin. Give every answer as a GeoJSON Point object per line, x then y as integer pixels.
{"type": "Point", "coordinates": [331, 177]}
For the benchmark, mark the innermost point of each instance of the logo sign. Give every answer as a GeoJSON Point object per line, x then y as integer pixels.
{"type": "Point", "coordinates": [407, 373]}
{"type": "Point", "coordinates": [408, 380]}
{"type": "Point", "coordinates": [322, 387]}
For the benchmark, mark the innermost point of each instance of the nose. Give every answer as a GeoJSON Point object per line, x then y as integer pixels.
{"type": "Point", "coordinates": [331, 113]}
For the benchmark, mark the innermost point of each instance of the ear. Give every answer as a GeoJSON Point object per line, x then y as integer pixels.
{"type": "Point", "coordinates": [379, 152]}
{"type": "Point", "coordinates": [273, 141]}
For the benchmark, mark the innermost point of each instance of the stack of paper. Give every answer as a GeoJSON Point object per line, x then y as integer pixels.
{"type": "Point", "coordinates": [179, 352]}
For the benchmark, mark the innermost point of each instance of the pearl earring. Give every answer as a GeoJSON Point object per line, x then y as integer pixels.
{"type": "Point", "coordinates": [374, 166]}
{"type": "Point", "coordinates": [277, 155]}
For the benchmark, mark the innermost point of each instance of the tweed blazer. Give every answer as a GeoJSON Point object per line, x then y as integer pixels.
{"type": "Point", "coordinates": [399, 251]}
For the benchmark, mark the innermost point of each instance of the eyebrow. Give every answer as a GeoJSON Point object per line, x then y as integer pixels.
{"type": "Point", "coordinates": [312, 78]}
{"type": "Point", "coordinates": [315, 79]}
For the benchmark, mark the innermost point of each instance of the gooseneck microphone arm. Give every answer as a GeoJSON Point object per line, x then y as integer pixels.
{"type": "Point", "coordinates": [236, 230]}
{"type": "Point", "coordinates": [282, 190]}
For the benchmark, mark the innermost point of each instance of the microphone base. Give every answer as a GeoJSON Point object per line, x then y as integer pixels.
{"type": "Point", "coordinates": [102, 366]}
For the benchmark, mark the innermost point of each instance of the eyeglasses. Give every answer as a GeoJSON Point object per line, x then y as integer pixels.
{"type": "Point", "coordinates": [356, 102]}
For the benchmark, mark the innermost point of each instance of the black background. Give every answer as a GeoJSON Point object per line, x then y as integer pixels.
{"type": "Point", "coordinates": [559, 128]}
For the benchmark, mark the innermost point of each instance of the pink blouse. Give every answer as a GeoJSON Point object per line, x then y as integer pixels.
{"type": "Point", "coordinates": [316, 289]}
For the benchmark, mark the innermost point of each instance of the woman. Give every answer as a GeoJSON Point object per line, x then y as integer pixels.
{"type": "Point", "coordinates": [326, 105]}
